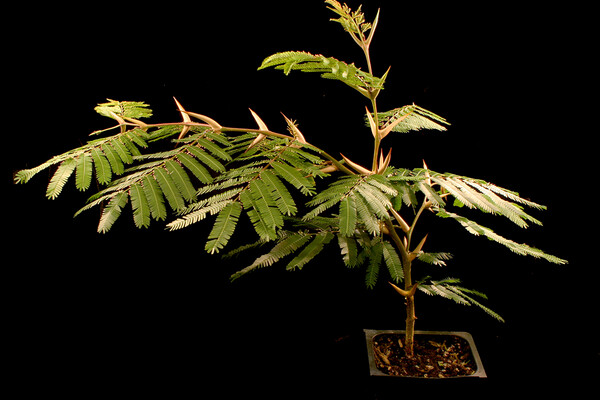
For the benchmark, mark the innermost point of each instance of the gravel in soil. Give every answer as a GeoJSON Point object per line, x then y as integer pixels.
{"type": "Point", "coordinates": [434, 356]}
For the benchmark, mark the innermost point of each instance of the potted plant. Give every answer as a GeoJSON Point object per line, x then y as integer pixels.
{"type": "Point", "coordinates": [298, 198]}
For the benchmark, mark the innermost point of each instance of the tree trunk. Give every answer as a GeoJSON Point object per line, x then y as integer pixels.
{"type": "Point", "coordinates": [410, 309]}
{"type": "Point", "coordinates": [410, 326]}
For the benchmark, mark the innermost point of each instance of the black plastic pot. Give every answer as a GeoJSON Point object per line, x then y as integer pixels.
{"type": "Point", "coordinates": [370, 334]}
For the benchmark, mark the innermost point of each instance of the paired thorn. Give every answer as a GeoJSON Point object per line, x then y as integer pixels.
{"type": "Point", "coordinates": [406, 293]}
{"type": "Point", "coordinates": [185, 115]}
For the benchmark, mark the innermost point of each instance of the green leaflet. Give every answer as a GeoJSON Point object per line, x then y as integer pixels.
{"type": "Point", "coordinates": [375, 256]}
{"type": "Point", "coordinates": [113, 158]}
{"type": "Point", "coordinates": [264, 229]}
{"type": "Point", "coordinates": [112, 211]}
{"type": "Point", "coordinates": [393, 262]}
{"type": "Point", "coordinates": [435, 258]}
{"type": "Point", "coordinates": [195, 167]}
{"type": "Point", "coordinates": [169, 189]}
{"type": "Point", "coordinates": [264, 205]}
{"type": "Point", "coordinates": [294, 177]}
{"type": "Point", "coordinates": [60, 177]}
{"type": "Point", "coordinates": [198, 215]}
{"type": "Point", "coordinates": [348, 250]}
{"type": "Point", "coordinates": [367, 217]}
{"type": "Point", "coordinates": [103, 168]}
{"type": "Point", "coordinates": [347, 216]}
{"type": "Point", "coordinates": [206, 159]}
{"type": "Point", "coordinates": [83, 172]}
{"type": "Point", "coordinates": [281, 196]}
{"type": "Point", "coordinates": [122, 150]}
{"type": "Point", "coordinates": [310, 251]}
{"type": "Point", "coordinates": [156, 201]}
{"type": "Point", "coordinates": [140, 206]}
{"type": "Point", "coordinates": [224, 227]}
{"type": "Point", "coordinates": [181, 179]}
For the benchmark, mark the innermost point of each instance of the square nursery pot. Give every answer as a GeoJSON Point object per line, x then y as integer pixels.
{"type": "Point", "coordinates": [437, 338]}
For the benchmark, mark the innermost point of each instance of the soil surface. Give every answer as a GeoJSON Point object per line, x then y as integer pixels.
{"type": "Point", "coordinates": [434, 356]}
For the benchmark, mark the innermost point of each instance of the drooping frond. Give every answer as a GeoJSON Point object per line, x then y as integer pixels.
{"type": "Point", "coordinates": [311, 250]}
{"type": "Point", "coordinates": [521, 249]}
{"type": "Point", "coordinates": [112, 211]}
{"type": "Point", "coordinates": [448, 289]}
{"type": "Point", "coordinates": [328, 67]}
{"type": "Point", "coordinates": [393, 262]}
{"type": "Point", "coordinates": [164, 178]}
{"type": "Point", "coordinates": [108, 155]}
{"type": "Point", "coordinates": [434, 258]}
{"type": "Point", "coordinates": [375, 258]}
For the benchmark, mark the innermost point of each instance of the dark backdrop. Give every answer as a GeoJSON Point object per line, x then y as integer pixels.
{"type": "Point", "coordinates": [148, 309]}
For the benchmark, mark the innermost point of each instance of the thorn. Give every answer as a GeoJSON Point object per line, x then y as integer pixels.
{"type": "Point", "coordinates": [137, 122]}
{"type": "Point", "coordinates": [214, 125]}
{"type": "Point", "coordinates": [384, 162]}
{"type": "Point", "coordinates": [359, 168]}
{"type": "Point", "coordinates": [186, 118]}
{"type": "Point", "coordinates": [405, 293]}
{"type": "Point", "coordinates": [417, 250]}
{"type": "Point", "coordinates": [427, 173]}
{"type": "Point", "coordinates": [374, 129]}
{"type": "Point", "coordinates": [373, 27]}
{"type": "Point", "coordinates": [261, 126]}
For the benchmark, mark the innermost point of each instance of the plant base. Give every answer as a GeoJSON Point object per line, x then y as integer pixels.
{"type": "Point", "coordinates": [438, 355]}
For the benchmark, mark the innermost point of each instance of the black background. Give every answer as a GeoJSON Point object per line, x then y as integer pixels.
{"type": "Point", "coordinates": [148, 311]}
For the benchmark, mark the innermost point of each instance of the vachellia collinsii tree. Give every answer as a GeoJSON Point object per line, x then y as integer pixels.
{"type": "Point", "coordinates": [299, 198]}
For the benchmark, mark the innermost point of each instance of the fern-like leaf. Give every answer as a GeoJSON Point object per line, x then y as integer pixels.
{"type": "Point", "coordinates": [129, 109]}
{"type": "Point", "coordinates": [287, 245]}
{"type": "Point", "coordinates": [112, 211]}
{"type": "Point", "coordinates": [434, 258]}
{"type": "Point", "coordinates": [181, 180]}
{"type": "Point", "coordinates": [311, 250]}
{"type": "Point", "coordinates": [140, 206]}
{"type": "Point", "coordinates": [224, 227]}
{"type": "Point", "coordinates": [169, 189]}
{"type": "Point", "coordinates": [84, 172]}
{"type": "Point", "coordinates": [328, 67]}
{"type": "Point", "coordinates": [518, 248]}
{"type": "Point", "coordinates": [156, 201]}
{"type": "Point", "coordinates": [448, 289]}
{"type": "Point", "coordinates": [393, 262]}
{"type": "Point", "coordinates": [60, 177]}
{"type": "Point", "coordinates": [195, 167]}
{"type": "Point", "coordinates": [349, 250]}
{"type": "Point", "coordinates": [375, 256]}
{"type": "Point", "coordinates": [413, 118]}
{"type": "Point", "coordinates": [103, 168]}
{"type": "Point", "coordinates": [347, 216]}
